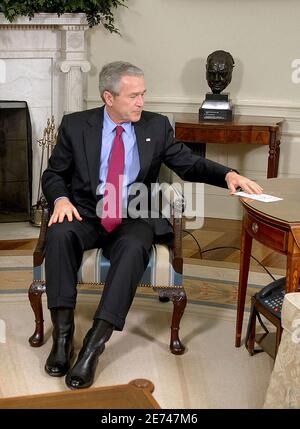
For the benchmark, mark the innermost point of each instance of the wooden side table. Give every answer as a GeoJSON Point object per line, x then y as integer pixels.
{"type": "Point", "coordinates": [257, 130]}
{"type": "Point", "coordinates": [277, 226]}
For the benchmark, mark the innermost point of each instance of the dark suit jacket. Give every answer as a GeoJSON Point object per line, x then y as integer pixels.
{"type": "Point", "coordinates": [74, 165]}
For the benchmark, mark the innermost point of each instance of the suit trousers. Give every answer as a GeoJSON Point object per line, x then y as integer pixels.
{"type": "Point", "coordinates": [127, 247]}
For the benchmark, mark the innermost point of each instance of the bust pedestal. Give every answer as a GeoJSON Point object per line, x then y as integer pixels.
{"type": "Point", "coordinates": [216, 107]}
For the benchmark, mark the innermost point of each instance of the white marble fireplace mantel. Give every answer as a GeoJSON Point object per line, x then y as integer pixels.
{"type": "Point", "coordinates": [43, 61]}
{"type": "Point", "coordinates": [47, 19]}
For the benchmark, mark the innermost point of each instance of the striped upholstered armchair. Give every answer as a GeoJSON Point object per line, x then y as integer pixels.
{"type": "Point", "coordinates": [163, 274]}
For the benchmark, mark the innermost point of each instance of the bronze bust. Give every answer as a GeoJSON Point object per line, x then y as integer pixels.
{"type": "Point", "coordinates": [219, 68]}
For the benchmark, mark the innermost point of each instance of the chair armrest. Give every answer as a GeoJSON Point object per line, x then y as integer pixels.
{"type": "Point", "coordinates": [38, 254]}
{"type": "Point", "coordinates": [173, 194]}
{"type": "Point", "coordinates": [177, 261]}
{"type": "Point", "coordinates": [176, 200]}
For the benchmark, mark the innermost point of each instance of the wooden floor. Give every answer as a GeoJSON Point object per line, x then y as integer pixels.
{"type": "Point", "coordinates": [211, 265]}
{"type": "Point", "coordinates": [217, 242]}
{"type": "Point", "coordinates": [218, 239]}
{"type": "Point", "coordinates": [25, 246]}
{"type": "Point", "coordinates": [224, 236]}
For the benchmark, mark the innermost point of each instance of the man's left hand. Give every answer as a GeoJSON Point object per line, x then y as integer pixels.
{"type": "Point", "coordinates": [236, 181]}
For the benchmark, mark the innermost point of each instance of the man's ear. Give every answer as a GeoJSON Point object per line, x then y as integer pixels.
{"type": "Point", "coordinates": [108, 98]}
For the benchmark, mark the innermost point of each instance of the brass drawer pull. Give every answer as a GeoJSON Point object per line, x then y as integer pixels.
{"type": "Point", "coordinates": [254, 227]}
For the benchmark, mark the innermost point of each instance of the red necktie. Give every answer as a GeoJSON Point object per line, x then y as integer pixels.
{"type": "Point", "coordinates": [112, 199]}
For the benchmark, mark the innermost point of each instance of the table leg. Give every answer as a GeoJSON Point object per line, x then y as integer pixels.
{"type": "Point", "coordinates": [292, 273]}
{"type": "Point", "coordinates": [273, 158]}
{"type": "Point", "coordinates": [246, 244]}
{"type": "Point", "coordinates": [277, 153]}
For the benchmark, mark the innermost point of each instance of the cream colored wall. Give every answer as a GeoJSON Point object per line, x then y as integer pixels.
{"type": "Point", "coordinates": [170, 40]}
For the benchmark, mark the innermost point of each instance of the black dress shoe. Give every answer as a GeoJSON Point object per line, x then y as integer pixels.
{"type": "Point", "coordinates": [83, 373]}
{"type": "Point", "coordinates": [58, 362]}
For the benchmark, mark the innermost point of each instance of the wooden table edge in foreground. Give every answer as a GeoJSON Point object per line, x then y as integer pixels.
{"type": "Point", "coordinates": [137, 394]}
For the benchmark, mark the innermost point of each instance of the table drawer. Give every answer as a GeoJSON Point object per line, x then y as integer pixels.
{"type": "Point", "coordinates": [200, 135]}
{"type": "Point", "coordinates": [247, 136]}
{"type": "Point", "coordinates": [260, 137]}
{"type": "Point", "coordinates": [269, 235]}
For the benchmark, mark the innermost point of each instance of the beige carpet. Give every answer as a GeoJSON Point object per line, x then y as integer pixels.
{"type": "Point", "coordinates": [211, 374]}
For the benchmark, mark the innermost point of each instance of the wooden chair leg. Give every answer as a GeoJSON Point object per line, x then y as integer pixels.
{"type": "Point", "coordinates": [35, 297]}
{"type": "Point", "coordinates": [250, 337]}
{"type": "Point", "coordinates": [178, 297]}
{"type": "Point", "coordinates": [164, 298]}
{"type": "Point", "coordinates": [179, 303]}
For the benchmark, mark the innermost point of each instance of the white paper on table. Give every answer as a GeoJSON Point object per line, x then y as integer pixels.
{"type": "Point", "coordinates": [265, 198]}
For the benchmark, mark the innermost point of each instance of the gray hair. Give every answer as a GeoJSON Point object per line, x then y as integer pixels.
{"type": "Point", "coordinates": [111, 74]}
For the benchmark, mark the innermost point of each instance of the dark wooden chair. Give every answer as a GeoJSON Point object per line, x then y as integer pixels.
{"type": "Point", "coordinates": [163, 274]}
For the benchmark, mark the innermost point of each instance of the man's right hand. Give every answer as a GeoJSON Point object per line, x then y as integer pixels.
{"type": "Point", "coordinates": [63, 208]}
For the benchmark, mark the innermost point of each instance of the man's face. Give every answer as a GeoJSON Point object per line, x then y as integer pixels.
{"type": "Point", "coordinates": [218, 75]}
{"type": "Point", "coordinates": [127, 106]}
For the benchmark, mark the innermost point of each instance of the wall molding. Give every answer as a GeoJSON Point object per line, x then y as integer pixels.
{"type": "Point", "coordinates": [286, 109]}
{"type": "Point", "coordinates": [281, 106]}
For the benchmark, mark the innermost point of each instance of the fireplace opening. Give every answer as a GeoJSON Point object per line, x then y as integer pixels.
{"type": "Point", "coordinates": [15, 161]}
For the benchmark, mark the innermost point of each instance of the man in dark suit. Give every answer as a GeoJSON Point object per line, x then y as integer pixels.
{"type": "Point", "coordinates": [94, 148]}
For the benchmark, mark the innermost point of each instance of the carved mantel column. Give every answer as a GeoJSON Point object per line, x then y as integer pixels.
{"type": "Point", "coordinates": [73, 64]}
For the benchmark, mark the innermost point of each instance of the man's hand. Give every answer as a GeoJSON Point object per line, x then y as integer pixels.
{"type": "Point", "coordinates": [235, 181]}
{"type": "Point", "coordinates": [63, 208]}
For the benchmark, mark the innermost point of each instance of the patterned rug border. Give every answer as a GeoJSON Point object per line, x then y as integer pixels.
{"type": "Point", "coordinates": [146, 300]}
{"type": "Point", "coordinates": [205, 303]}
